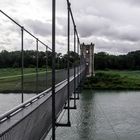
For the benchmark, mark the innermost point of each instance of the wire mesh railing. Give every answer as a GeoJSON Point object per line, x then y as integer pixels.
{"type": "Point", "coordinates": [32, 119]}
{"type": "Point", "coordinates": [54, 78]}
{"type": "Point", "coordinates": [34, 81]}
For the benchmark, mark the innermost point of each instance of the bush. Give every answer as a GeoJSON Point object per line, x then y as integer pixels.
{"type": "Point", "coordinates": [104, 80]}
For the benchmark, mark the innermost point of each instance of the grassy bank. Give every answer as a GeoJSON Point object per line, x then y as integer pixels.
{"type": "Point", "coordinates": [117, 80]}
{"type": "Point", "coordinates": [10, 80]}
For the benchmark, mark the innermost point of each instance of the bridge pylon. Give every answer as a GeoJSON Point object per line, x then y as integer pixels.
{"type": "Point", "coordinates": [87, 52]}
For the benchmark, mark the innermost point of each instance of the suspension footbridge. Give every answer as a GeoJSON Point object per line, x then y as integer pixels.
{"type": "Point", "coordinates": [33, 119]}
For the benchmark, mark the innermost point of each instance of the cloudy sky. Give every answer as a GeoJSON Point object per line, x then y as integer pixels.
{"type": "Point", "coordinates": [113, 25]}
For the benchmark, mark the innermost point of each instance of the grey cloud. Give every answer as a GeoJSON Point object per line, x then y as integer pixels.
{"type": "Point", "coordinates": [98, 26]}
{"type": "Point", "coordinates": [117, 47]}
{"type": "Point", "coordinates": [112, 19]}
{"type": "Point", "coordinates": [111, 46]}
{"type": "Point", "coordinates": [135, 2]}
{"type": "Point", "coordinates": [91, 25]}
{"type": "Point", "coordinates": [45, 28]}
{"type": "Point", "coordinates": [61, 26]}
{"type": "Point", "coordinates": [38, 27]}
{"type": "Point", "coordinates": [112, 24]}
{"type": "Point", "coordinates": [124, 33]}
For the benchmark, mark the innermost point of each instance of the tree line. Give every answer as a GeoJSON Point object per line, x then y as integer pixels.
{"type": "Point", "coordinates": [13, 59]}
{"type": "Point", "coordinates": [103, 61]}
{"type": "Point", "coordinates": [130, 61]}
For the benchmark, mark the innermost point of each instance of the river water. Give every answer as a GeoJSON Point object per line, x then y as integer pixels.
{"type": "Point", "coordinates": [109, 115]}
{"type": "Point", "coordinates": [9, 101]}
{"type": "Point", "coordinates": [104, 115]}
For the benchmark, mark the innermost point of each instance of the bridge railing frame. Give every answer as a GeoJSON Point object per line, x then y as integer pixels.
{"type": "Point", "coordinates": [69, 16]}
{"type": "Point", "coordinates": [78, 71]}
{"type": "Point", "coordinates": [11, 121]}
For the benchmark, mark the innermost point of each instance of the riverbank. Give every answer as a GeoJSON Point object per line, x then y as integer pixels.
{"type": "Point", "coordinates": [114, 80]}
{"type": "Point", "coordinates": [10, 80]}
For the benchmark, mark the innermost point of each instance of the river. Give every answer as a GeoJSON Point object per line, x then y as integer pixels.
{"type": "Point", "coordinates": [9, 101]}
{"type": "Point", "coordinates": [104, 115]}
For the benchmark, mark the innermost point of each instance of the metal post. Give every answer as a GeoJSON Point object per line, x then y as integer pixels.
{"type": "Point", "coordinates": [68, 124]}
{"type": "Point", "coordinates": [68, 69]}
{"type": "Point", "coordinates": [46, 67]}
{"type": "Point", "coordinates": [74, 67]}
{"type": "Point", "coordinates": [93, 61]}
{"type": "Point", "coordinates": [22, 66]}
{"type": "Point", "coordinates": [53, 68]}
{"type": "Point", "coordinates": [74, 107]}
{"type": "Point", "coordinates": [92, 72]}
{"type": "Point", "coordinates": [78, 66]}
{"type": "Point", "coordinates": [36, 66]}
{"type": "Point", "coordinates": [79, 60]}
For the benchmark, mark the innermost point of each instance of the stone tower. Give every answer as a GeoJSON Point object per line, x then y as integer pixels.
{"type": "Point", "coordinates": [87, 51]}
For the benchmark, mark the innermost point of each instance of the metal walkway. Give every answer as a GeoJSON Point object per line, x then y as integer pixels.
{"type": "Point", "coordinates": [33, 119]}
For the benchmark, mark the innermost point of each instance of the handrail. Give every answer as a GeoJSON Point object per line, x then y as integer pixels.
{"type": "Point", "coordinates": [30, 32]}
{"type": "Point", "coordinates": [23, 105]}
{"type": "Point", "coordinates": [15, 110]}
{"type": "Point", "coordinates": [34, 35]}
{"type": "Point", "coordinates": [18, 108]}
{"type": "Point", "coordinates": [56, 96]}
{"type": "Point", "coordinates": [25, 29]}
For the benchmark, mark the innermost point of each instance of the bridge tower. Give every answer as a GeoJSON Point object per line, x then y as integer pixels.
{"type": "Point", "coordinates": [87, 52]}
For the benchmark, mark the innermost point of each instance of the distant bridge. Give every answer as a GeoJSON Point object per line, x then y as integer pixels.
{"type": "Point", "coordinates": [33, 119]}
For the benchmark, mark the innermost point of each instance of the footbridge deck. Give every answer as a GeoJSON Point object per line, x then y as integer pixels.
{"type": "Point", "coordinates": [32, 119]}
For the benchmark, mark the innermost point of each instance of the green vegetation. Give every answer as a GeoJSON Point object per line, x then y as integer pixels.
{"type": "Point", "coordinates": [10, 80]}
{"type": "Point", "coordinates": [114, 72]}
{"type": "Point", "coordinates": [13, 59]}
{"type": "Point", "coordinates": [117, 80]}
{"type": "Point", "coordinates": [6, 72]}
{"type": "Point", "coordinates": [130, 61]}
{"type": "Point", "coordinates": [10, 70]}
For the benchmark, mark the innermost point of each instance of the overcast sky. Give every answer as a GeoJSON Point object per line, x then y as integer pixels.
{"type": "Point", "coordinates": [113, 25]}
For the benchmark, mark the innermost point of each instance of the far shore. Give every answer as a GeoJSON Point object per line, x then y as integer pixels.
{"type": "Point", "coordinates": [114, 80]}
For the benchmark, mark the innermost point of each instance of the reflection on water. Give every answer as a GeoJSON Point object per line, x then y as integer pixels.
{"type": "Point", "coordinates": [9, 101]}
{"type": "Point", "coordinates": [104, 116]}
{"type": "Point", "coordinates": [88, 117]}
{"type": "Point", "coordinates": [99, 116]}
